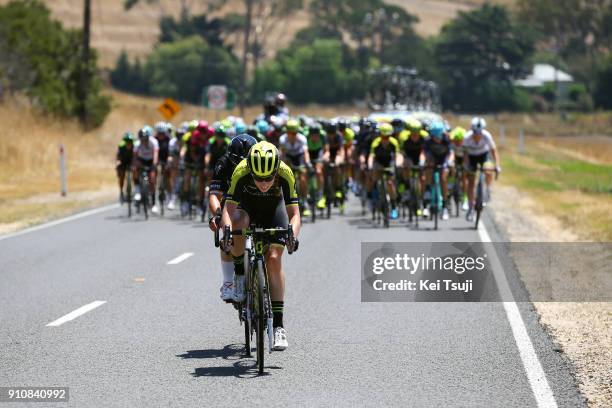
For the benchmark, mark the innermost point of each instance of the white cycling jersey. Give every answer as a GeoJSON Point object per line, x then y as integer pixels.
{"type": "Point", "coordinates": [173, 147]}
{"type": "Point", "coordinates": [296, 148]}
{"type": "Point", "coordinates": [146, 151]}
{"type": "Point", "coordinates": [477, 148]}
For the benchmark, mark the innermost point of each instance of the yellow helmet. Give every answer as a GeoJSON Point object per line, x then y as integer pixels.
{"type": "Point", "coordinates": [458, 134]}
{"type": "Point", "coordinates": [386, 129]}
{"type": "Point", "coordinates": [263, 160]}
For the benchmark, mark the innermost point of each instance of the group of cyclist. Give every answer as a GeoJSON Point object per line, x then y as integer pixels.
{"type": "Point", "coordinates": [260, 174]}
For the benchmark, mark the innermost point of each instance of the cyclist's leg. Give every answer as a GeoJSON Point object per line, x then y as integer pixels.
{"type": "Point", "coordinates": [319, 175]}
{"type": "Point", "coordinates": [276, 275]}
{"type": "Point", "coordinates": [121, 168]}
{"type": "Point", "coordinates": [303, 184]}
{"type": "Point", "coordinates": [240, 219]}
{"type": "Point", "coordinates": [470, 171]}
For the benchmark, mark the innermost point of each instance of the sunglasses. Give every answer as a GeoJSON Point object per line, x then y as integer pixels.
{"type": "Point", "coordinates": [263, 179]}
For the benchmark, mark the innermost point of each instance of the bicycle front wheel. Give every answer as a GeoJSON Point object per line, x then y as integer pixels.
{"type": "Point", "coordinates": [260, 320]}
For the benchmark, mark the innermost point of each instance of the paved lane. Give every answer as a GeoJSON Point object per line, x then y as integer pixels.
{"type": "Point", "coordinates": [163, 337]}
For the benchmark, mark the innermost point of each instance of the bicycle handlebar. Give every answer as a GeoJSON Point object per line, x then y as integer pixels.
{"type": "Point", "coordinates": [228, 233]}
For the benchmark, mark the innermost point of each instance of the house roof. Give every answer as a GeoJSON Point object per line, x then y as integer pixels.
{"type": "Point", "coordinates": [542, 74]}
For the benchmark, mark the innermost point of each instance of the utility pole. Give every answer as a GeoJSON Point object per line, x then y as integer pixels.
{"type": "Point", "coordinates": [85, 60]}
{"type": "Point", "coordinates": [245, 54]}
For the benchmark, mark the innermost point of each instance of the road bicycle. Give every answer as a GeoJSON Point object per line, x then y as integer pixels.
{"type": "Point", "coordinates": [128, 190]}
{"type": "Point", "coordinates": [382, 204]}
{"type": "Point", "coordinates": [435, 195]}
{"type": "Point", "coordinates": [313, 190]}
{"type": "Point", "coordinates": [456, 189]}
{"type": "Point", "coordinates": [145, 194]}
{"type": "Point", "coordinates": [255, 313]}
{"type": "Point", "coordinates": [414, 198]}
{"type": "Point", "coordinates": [162, 188]}
{"type": "Point", "coordinates": [480, 199]}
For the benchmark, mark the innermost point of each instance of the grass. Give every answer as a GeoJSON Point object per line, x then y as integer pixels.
{"type": "Point", "coordinates": [578, 192]}
{"type": "Point", "coordinates": [29, 154]}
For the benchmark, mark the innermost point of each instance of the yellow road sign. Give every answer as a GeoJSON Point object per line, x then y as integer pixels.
{"type": "Point", "coordinates": [169, 108]}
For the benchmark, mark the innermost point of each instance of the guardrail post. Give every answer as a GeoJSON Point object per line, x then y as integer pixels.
{"type": "Point", "coordinates": [521, 144]}
{"type": "Point", "coordinates": [64, 188]}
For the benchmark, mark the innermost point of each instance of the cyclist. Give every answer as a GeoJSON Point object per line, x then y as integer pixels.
{"type": "Point", "coordinates": [222, 174]}
{"type": "Point", "coordinates": [162, 134]}
{"type": "Point", "coordinates": [317, 149]}
{"type": "Point", "coordinates": [125, 155]}
{"type": "Point", "coordinates": [263, 128]}
{"type": "Point", "coordinates": [281, 110]}
{"type": "Point", "coordinates": [217, 147]}
{"type": "Point", "coordinates": [457, 135]}
{"type": "Point", "coordinates": [146, 151]}
{"type": "Point", "coordinates": [479, 148]}
{"type": "Point", "coordinates": [193, 153]}
{"type": "Point", "coordinates": [438, 151]}
{"type": "Point", "coordinates": [365, 137]}
{"type": "Point", "coordinates": [412, 141]}
{"type": "Point", "coordinates": [174, 151]}
{"type": "Point", "coordinates": [276, 131]}
{"type": "Point", "coordinates": [294, 151]}
{"type": "Point", "coordinates": [384, 154]}
{"type": "Point", "coordinates": [262, 192]}
{"type": "Point", "coordinates": [335, 154]}
{"type": "Point", "coordinates": [254, 132]}
{"type": "Point", "coordinates": [348, 136]}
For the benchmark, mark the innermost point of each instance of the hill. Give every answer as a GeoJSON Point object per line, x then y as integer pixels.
{"type": "Point", "coordinates": [137, 30]}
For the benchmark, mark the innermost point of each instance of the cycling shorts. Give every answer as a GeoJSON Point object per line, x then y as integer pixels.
{"type": "Point", "coordinates": [272, 217]}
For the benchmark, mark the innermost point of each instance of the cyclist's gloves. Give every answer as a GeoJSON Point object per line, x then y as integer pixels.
{"type": "Point", "coordinates": [292, 245]}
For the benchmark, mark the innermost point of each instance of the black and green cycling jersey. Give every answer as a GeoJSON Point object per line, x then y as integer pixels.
{"type": "Point", "coordinates": [216, 149]}
{"type": "Point", "coordinates": [125, 154]}
{"type": "Point", "coordinates": [383, 153]}
{"type": "Point", "coordinates": [244, 192]}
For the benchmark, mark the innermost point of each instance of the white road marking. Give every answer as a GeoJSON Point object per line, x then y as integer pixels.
{"type": "Point", "coordinates": [535, 373]}
{"type": "Point", "coordinates": [76, 313]}
{"type": "Point", "coordinates": [60, 221]}
{"type": "Point", "coordinates": [180, 258]}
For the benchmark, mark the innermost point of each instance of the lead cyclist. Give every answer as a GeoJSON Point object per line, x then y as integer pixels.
{"type": "Point", "coordinates": [262, 192]}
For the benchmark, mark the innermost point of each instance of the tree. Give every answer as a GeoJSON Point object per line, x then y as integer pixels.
{"type": "Point", "coordinates": [312, 73]}
{"type": "Point", "coordinates": [603, 89]}
{"type": "Point", "coordinates": [478, 55]}
{"type": "Point", "coordinates": [52, 56]}
{"type": "Point", "coordinates": [129, 77]}
{"type": "Point", "coordinates": [182, 68]}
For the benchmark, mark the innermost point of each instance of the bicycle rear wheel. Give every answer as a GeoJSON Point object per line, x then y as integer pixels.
{"type": "Point", "coordinates": [144, 187]}
{"type": "Point", "coordinates": [128, 193]}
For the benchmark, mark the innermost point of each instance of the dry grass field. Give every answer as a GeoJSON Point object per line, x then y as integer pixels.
{"type": "Point", "coordinates": [136, 31]}
{"type": "Point", "coordinates": [29, 155]}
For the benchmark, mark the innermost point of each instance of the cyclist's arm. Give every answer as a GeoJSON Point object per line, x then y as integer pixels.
{"type": "Point", "coordinates": [399, 157]}
{"type": "Point", "coordinates": [228, 212]}
{"type": "Point", "coordinates": [207, 159]}
{"type": "Point", "coordinates": [293, 213]}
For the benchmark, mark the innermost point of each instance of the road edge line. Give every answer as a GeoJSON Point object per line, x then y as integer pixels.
{"type": "Point", "coordinates": [59, 221]}
{"type": "Point", "coordinates": [533, 368]}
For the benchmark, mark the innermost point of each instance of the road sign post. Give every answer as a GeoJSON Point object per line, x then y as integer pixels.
{"type": "Point", "coordinates": [63, 183]}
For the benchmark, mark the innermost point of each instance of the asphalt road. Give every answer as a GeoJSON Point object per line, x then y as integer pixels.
{"type": "Point", "coordinates": [164, 338]}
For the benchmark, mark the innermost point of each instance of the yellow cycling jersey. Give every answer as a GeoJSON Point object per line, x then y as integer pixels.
{"type": "Point", "coordinates": [186, 137]}
{"type": "Point", "coordinates": [348, 136]}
